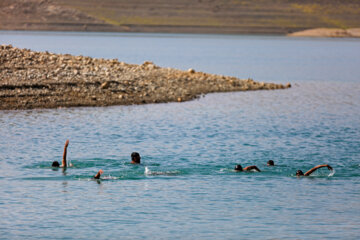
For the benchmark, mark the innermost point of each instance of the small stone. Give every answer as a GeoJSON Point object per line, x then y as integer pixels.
{"type": "Point", "coordinates": [191, 70]}
{"type": "Point", "coordinates": [105, 85]}
{"type": "Point", "coordinates": [179, 99]}
{"type": "Point", "coordinates": [151, 67]}
{"type": "Point", "coordinates": [147, 63]}
{"type": "Point", "coordinates": [7, 46]}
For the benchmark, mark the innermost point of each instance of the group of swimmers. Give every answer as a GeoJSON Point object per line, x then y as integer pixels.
{"type": "Point", "coordinates": [239, 168]}
{"type": "Point", "coordinates": [136, 159]}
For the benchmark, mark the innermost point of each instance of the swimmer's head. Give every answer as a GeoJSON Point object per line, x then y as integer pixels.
{"type": "Point", "coordinates": [299, 173]}
{"type": "Point", "coordinates": [238, 168]}
{"type": "Point", "coordinates": [270, 163]}
{"type": "Point", "coordinates": [55, 164]}
{"type": "Point", "coordinates": [135, 157]}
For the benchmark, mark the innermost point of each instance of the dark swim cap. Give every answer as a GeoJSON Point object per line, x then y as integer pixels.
{"type": "Point", "coordinates": [55, 164]}
{"type": "Point", "coordinates": [135, 156]}
{"type": "Point", "coordinates": [299, 173]}
{"type": "Point", "coordinates": [270, 163]}
{"type": "Point", "coordinates": [238, 168]}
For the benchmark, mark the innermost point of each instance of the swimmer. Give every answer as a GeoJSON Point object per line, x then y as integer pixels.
{"type": "Point", "coordinates": [239, 168]}
{"type": "Point", "coordinates": [135, 158]}
{"type": "Point", "coordinates": [270, 163]}
{"type": "Point", "coordinates": [97, 176]}
{"type": "Point", "coordinates": [63, 164]}
{"type": "Point", "coordinates": [300, 173]}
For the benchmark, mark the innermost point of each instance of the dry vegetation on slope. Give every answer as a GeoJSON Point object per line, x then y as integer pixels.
{"type": "Point", "coordinates": [201, 16]}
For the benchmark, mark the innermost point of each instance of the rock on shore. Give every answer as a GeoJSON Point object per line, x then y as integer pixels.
{"type": "Point", "coordinates": [31, 79]}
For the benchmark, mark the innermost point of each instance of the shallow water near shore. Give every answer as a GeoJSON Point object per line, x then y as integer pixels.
{"type": "Point", "coordinates": [186, 187]}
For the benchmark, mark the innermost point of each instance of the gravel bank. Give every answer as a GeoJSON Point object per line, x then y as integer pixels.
{"type": "Point", "coordinates": [31, 79]}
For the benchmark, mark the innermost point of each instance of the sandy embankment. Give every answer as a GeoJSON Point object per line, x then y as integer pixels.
{"type": "Point", "coordinates": [328, 32]}
{"type": "Point", "coordinates": [31, 79]}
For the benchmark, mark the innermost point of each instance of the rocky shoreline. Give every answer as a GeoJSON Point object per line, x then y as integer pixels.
{"type": "Point", "coordinates": [30, 79]}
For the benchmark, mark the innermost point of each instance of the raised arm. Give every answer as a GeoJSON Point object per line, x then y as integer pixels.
{"type": "Point", "coordinates": [64, 154]}
{"type": "Point", "coordinates": [317, 167]}
{"type": "Point", "coordinates": [249, 168]}
{"type": "Point", "coordinates": [97, 176]}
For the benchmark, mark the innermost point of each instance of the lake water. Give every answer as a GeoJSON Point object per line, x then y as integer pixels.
{"type": "Point", "coordinates": [186, 187]}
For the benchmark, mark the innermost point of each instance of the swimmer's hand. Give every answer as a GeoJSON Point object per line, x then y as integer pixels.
{"type": "Point", "coordinates": [67, 143]}
{"type": "Point", "coordinates": [329, 167]}
{"type": "Point", "coordinates": [97, 176]}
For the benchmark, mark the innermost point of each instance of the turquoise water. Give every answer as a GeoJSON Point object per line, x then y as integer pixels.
{"type": "Point", "coordinates": [185, 187]}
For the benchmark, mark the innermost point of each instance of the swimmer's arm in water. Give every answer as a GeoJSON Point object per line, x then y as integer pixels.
{"type": "Point", "coordinates": [249, 168]}
{"type": "Point", "coordinates": [64, 154]}
{"type": "Point", "coordinates": [97, 176]}
{"type": "Point", "coordinates": [317, 167]}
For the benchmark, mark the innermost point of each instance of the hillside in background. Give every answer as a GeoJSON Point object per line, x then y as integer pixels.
{"type": "Point", "coordinates": [193, 16]}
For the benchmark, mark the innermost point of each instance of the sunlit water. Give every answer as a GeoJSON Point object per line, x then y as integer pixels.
{"type": "Point", "coordinates": [186, 187]}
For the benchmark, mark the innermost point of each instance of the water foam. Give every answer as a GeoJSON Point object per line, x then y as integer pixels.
{"type": "Point", "coordinates": [331, 173]}
{"type": "Point", "coordinates": [147, 171]}
{"type": "Point", "coordinates": [109, 177]}
{"type": "Point", "coordinates": [166, 173]}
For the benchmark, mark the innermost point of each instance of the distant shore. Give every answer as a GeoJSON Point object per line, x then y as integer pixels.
{"type": "Point", "coordinates": [31, 79]}
{"type": "Point", "coordinates": [328, 32]}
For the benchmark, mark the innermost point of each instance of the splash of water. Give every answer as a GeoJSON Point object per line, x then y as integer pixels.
{"type": "Point", "coordinates": [147, 171]}
{"type": "Point", "coordinates": [331, 173]}
{"type": "Point", "coordinates": [166, 173]}
{"type": "Point", "coordinates": [109, 177]}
